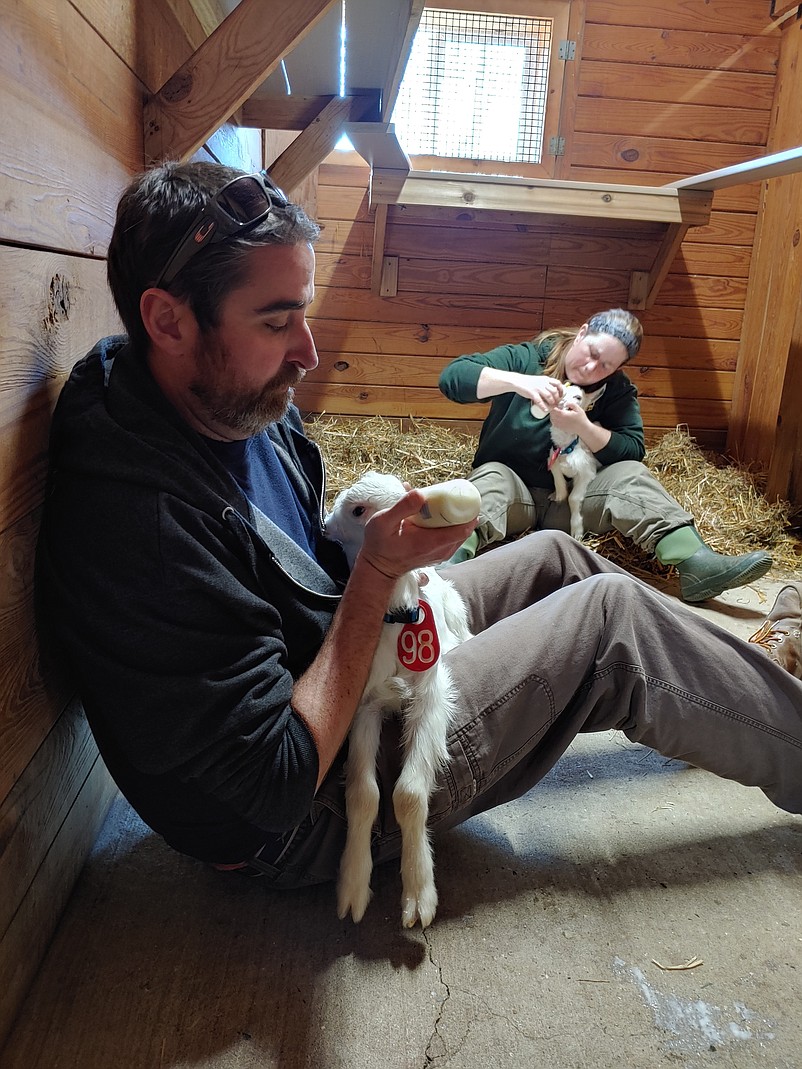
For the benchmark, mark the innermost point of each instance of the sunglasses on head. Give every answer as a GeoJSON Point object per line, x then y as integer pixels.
{"type": "Point", "coordinates": [238, 206]}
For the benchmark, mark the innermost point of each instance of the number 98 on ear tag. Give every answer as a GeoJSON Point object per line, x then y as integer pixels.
{"type": "Point", "coordinates": [418, 643]}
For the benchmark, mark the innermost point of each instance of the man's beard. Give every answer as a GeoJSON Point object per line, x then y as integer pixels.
{"type": "Point", "coordinates": [231, 406]}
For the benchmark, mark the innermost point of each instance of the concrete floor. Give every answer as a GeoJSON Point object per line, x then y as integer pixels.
{"type": "Point", "coordinates": [555, 912]}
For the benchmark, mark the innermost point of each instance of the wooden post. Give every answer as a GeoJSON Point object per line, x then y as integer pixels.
{"type": "Point", "coordinates": [766, 415]}
{"type": "Point", "coordinates": [224, 71]}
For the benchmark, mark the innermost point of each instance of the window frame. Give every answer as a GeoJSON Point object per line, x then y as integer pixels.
{"type": "Point", "coordinates": [558, 11]}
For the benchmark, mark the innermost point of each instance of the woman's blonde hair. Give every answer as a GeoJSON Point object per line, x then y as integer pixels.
{"type": "Point", "coordinates": [616, 322]}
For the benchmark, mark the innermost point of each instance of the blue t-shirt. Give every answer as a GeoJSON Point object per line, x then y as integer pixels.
{"type": "Point", "coordinates": [254, 464]}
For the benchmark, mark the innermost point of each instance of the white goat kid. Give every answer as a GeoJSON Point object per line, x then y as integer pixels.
{"type": "Point", "coordinates": [407, 677]}
{"type": "Point", "coordinates": [571, 459]}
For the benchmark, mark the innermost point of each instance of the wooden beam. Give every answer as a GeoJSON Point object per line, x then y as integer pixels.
{"type": "Point", "coordinates": [389, 280]}
{"type": "Point", "coordinates": [283, 113]}
{"type": "Point", "coordinates": [764, 422]}
{"type": "Point", "coordinates": [220, 75]}
{"type": "Point", "coordinates": [577, 201]}
{"type": "Point", "coordinates": [572, 199]}
{"type": "Point", "coordinates": [773, 166]}
{"type": "Point", "coordinates": [639, 287]}
{"type": "Point", "coordinates": [187, 18]}
{"type": "Point", "coordinates": [313, 145]}
{"type": "Point", "coordinates": [669, 247]}
{"type": "Point", "coordinates": [785, 7]}
{"type": "Point", "coordinates": [377, 261]}
{"type": "Point", "coordinates": [209, 13]}
{"type": "Point", "coordinates": [404, 36]}
{"type": "Point", "coordinates": [297, 112]}
{"type": "Point", "coordinates": [784, 473]}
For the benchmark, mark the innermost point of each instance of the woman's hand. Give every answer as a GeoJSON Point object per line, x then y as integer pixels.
{"type": "Point", "coordinates": [570, 417]}
{"type": "Point", "coordinates": [573, 419]}
{"type": "Point", "coordinates": [541, 390]}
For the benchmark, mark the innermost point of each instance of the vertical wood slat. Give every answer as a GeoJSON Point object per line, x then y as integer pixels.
{"type": "Point", "coordinates": [785, 471]}
{"type": "Point", "coordinates": [66, 150]}
{"type": "Point", "coordinates": [377, 258]}
{"type": "Point", "coordinates": [40, 799]}
{"type": "Point", "coordinates": [26, 939]}
{"type": "Point", "coordinates": [53, 307]}
{"type": "Point", "coordinates": [71, 127]}
{"type": "Point", "coordinates": [570, 84]}
{"type": "Point", "coordinates": [765, 386]}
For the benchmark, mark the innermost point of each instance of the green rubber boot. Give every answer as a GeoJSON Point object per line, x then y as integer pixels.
{"type": "Point", "coordinates": [467, 551]}
{"type": "Point", "coordinates": [703, 573]}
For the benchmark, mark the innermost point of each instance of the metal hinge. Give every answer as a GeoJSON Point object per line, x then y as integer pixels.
{"type": "Point", "coordinates": [567, 50]}
{"type": "Point", "coordinates": [556, 146]}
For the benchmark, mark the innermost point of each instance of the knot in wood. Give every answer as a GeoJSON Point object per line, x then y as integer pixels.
{"type": "Point", "coordinates": [177, 88]}
{"type": "Point", "coordinates": [58, 301]}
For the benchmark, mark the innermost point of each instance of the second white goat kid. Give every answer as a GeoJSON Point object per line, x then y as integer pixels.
{"type": "Point", "coordinates": [571, 459]}
{"type": "Point", "coordinates": [426, 618]}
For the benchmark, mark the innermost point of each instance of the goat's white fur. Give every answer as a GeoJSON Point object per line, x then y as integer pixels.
{"type": "Point", "coordinates": [580, 465]}
{"type": "Point", "coordinates": [425, 702]}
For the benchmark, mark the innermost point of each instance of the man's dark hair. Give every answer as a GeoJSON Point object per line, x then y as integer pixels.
{"type": "Point", "coordinates": [153, 215]}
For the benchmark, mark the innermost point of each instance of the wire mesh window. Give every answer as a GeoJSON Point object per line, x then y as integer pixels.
{"type": "Point", "coordinates": [476, 87]}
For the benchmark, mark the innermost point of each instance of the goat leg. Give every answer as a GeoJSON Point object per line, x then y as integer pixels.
{"type": "Point", "coordinates": [560, 485]}
{"type": "Point", "coordinates": [426, 725]}
{"type": "Point", "coordinates": [362, 807]}
{"type": "Point", "coordinates": [575, 500]}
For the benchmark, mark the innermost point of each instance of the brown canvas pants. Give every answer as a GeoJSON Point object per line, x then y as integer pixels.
{"type": "Point", "coordinates": [565, 642]}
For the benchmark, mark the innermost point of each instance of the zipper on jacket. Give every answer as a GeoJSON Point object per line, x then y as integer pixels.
{"type": "Point", "coordinates": [231, 516]}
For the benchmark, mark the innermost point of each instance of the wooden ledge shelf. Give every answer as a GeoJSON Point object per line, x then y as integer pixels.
{"type": "Point", "coordinates": [444, 189]}
{"type": "Point", "coordinates": [678, 205]}
{"type": "Point", "coordinates": [574, 202]}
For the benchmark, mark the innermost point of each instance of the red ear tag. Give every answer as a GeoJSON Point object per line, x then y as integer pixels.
{"type": "Point", "coordinates": [418, 644]}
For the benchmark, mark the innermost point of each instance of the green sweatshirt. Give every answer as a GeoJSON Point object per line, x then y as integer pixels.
{"type": "Point", "coordinates": [511, 435]}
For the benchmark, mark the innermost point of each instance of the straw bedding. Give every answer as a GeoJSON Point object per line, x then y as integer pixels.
{"type": "Point", "coordinates": [731, 513]}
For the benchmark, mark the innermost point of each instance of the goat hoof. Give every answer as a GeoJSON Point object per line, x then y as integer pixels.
{"type": "Point", "coordinates": [420, 909]}
{"type": "Point", "coordinates": [353, 902]}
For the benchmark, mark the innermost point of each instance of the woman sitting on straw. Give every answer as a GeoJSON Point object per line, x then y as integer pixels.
{"type": "Point", "coordinates": [511, 465]}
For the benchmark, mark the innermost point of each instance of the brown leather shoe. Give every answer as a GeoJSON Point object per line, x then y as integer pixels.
{"type": "Point", "coordinates": [781, 632]}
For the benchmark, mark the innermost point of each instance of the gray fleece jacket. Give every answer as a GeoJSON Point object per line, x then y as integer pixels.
{"type": "Point", "coordinates": [183, 614]}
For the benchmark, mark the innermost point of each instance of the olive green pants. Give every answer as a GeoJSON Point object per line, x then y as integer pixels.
{"type": "Point", "coordinates": [624, 497]}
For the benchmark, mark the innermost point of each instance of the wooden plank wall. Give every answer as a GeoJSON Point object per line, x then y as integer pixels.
{"type": "Point", "coordinates": [72, 79]}
{"type": "Point", "coordinates": [657, 92]}
{"type": "Point", "coordinates": [766, 428]}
